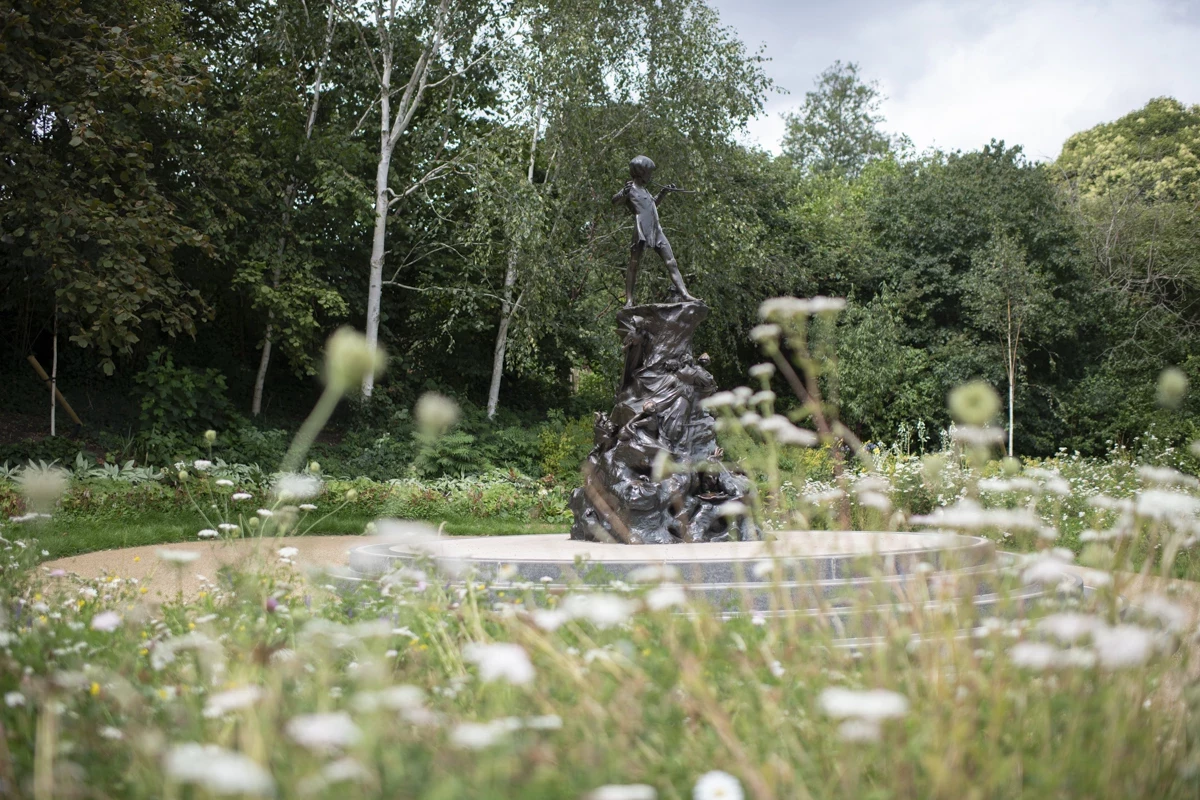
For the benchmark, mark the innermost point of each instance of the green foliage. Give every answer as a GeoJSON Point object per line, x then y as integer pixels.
{"type": "Point", "coordinates": [563, 445]}
{"type": "Point", "coordinates": [594, 393]}
{"type": "Point", "coordinates": [370, 453]}
{"type": "Point", "coordinates": [87, 100]}
{"type": "Point", "coordinates": [1153, 152]}
{"type": "Point", "coordinates": [883, 382]}
{"type": "Point", "coordinates": [172, 165]}
{"type": "Point", "coordinates": [185, 400]}
{"type": "Point", "coordinates": [453, 453]}
{"type": "Point", "coordinates": [1132, 187]}
{"type": "Point", "coordinates": [515, 447]}
{"type": "Point", "coordinates": [299, 305]}
{"type": "Point", "coordinates": [505, 495]}
{"type": "Point", "coordinates": [51, 449]}
{"type": "Point", "coordinates": [837, 130]}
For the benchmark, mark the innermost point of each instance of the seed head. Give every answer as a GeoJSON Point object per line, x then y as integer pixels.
{"type": "Point", "coordinates": [349, 359]}
{"type": "Point", "coordinates": [436, 413]}
{"type": "Point", "coordinates": [974, 403]}
{"type": "Point", "coordinates": [1172, 387]}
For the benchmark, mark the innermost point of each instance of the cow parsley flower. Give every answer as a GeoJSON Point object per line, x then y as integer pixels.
{"type": "Point", "coordinates": [436, 413]}
{"type": "Point", "coordinates": [1037, 656]}
{"type": "Point", "coordinates": [767, 333]}
{"type": "Point", "coordinates": [717, 785]}
{"type": "Point", "coordinates": [220, 771]}
{"type": "Point", "coordinates": [297, 486]}
{"type": "Point", "coordinates": [718, 400]}
{"type": "Point", "coordinates": [1162, 504]}
{"type": "Point", "coordinates": [1069, 627]}
{"type": "Point", "coordinates": [1124, 646]}
{"type": "Point", "coordinates": [177, 557]}
{"type": "Point", "coordinates": [106, 621]}
{"type": "Point", "coordinates": [860, 730]}
{"type": "Point", "coordinates": [482, 735]}
{"type": "Point", "coordinates": [600, 609]}
{"type": "Point", "coordinates": [549, 619]}
{"type": "Point", "coordinates": [326, 731]}
{"type": "Point", "coordinates": [654, 573]}
{"type": "Point", "coordinates": [665, 596]}
{"type": "Point", "coordinates": [765, 370]}
{"type": "Point", "coordinates": [872, 704]}
{"type": "Point", "coordinates": [733, 509]}
{"type": "Point", "coordinates": [222, 703]}
{"type": "Point", "coordinates": [501, 661]}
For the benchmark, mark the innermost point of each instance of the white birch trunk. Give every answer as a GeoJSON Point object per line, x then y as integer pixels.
{"type": "Point", "coordinates": [390, 131]}
{"type": "Point", "coordinates": [1010, 416]}
{"type": "Point", "coordinates": [54, 376]}
{"type": "Point", "coordinates": [378, 244]}
{"type": "Point", "coordinates": [260, 380]}
{"type": "Point", "coordinates": [1013, 339]}
{"type": "Point", "coordinates": [507, 308]}
{"type": "Point", "coordinates": [506, 314]}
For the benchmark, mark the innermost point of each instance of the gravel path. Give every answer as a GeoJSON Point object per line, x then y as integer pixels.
{"type": "Point", "coordinates": [162, 581]}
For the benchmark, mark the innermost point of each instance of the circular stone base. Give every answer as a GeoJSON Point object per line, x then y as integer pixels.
{"type": "Point", "coordinates": [854, 582]}
{"type": "Point", "coordinates": [794, 555]}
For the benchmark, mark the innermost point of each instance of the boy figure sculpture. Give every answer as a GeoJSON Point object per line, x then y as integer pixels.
{"type": "Point", "coordinates": [647, 232]}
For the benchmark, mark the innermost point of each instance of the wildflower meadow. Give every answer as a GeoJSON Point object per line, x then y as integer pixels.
{"type": "Point", "coordinates": [276, 680]}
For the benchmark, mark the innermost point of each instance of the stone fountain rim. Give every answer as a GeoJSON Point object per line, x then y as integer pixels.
{"type": "Point", "coordinates": [560, 549]}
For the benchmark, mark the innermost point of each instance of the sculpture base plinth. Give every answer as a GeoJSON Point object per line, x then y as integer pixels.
{"type": "Point", "coordinates": [655, 475]}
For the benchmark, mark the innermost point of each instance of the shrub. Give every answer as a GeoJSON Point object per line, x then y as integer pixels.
{"type": "Point", "coordinates": [563, 445]}
{"type": "Point", "coordinates": [50, 449]}
{"type": "Point", "coordinates": [495, 495]}
{"type": "Point", "coordinates": [452, 453]}
{"type": "Point", "coordinates": [181, 398]}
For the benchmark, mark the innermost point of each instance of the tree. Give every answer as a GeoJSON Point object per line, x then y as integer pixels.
{"type": "Point", "coordinates": [1010, 299]}
{"type": "Point", "coordinates": [929, 225]}
{"type": "Point", "coordinates": [837, 129]}
{"type": "Point", "coordinates": [441, 41]}
{"type": "Point", "coordinates": [882, 382]}
{"type": "Point", "coordinates": [292, 308]}
{"type": "Point", "coordinates": [593, 85]}
{"type": "Point", "coordinates": [1132, 187]}
{"type": "Point", "coordinates": [89, 102]}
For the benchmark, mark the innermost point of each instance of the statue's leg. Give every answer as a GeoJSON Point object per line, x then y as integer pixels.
{"type": "Point", "coordinates": [635, 257]}
{"type": "Point", "coordinates": [668, 257]}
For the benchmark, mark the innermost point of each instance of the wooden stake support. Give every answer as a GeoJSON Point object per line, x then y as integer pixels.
{"type": "Point", "coordinates": [62, 401]}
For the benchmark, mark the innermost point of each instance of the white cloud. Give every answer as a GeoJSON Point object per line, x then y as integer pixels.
{"type": "Point", "coordinates": [958, 74]}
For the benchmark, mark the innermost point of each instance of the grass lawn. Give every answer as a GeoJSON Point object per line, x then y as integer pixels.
{"type": "Point", "coordinates": [68, 537]}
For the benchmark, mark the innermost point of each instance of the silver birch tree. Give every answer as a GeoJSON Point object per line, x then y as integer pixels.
{"type": "Point", "coordinates": [452, 39]}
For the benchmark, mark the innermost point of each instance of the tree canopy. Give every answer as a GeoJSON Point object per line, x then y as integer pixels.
{"type": "Point", "coordinates": [217, 180]}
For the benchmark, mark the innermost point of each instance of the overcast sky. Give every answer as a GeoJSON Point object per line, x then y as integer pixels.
{"type": "Point", "coordinates": [959, 72]}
